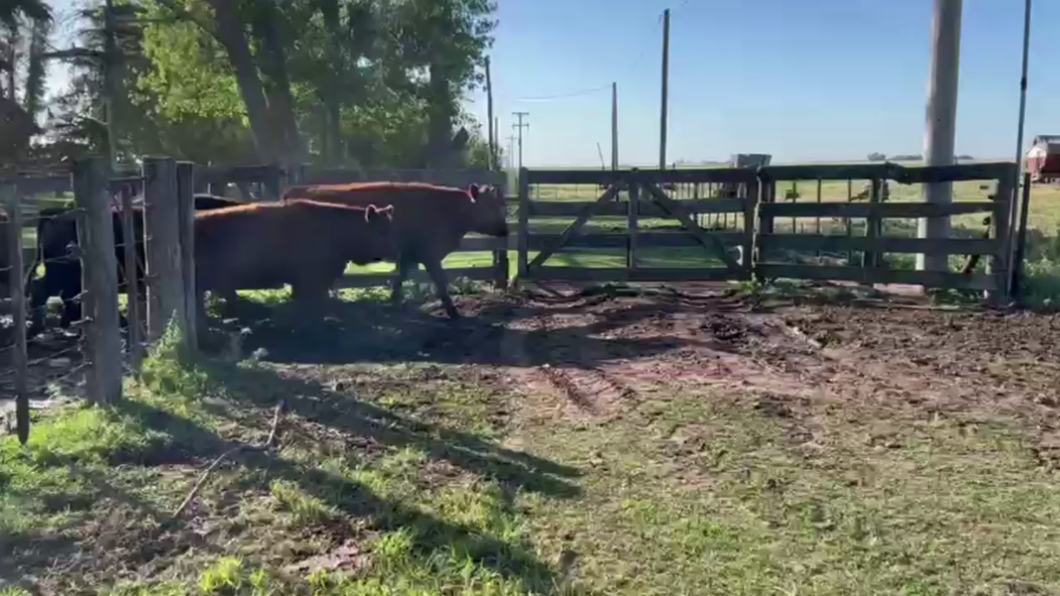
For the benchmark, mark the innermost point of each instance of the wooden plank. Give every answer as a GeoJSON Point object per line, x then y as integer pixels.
{"type": "Point", "coordinates": [186, 239]}
{"type": "Point", "coordinates": [608, 177]}
{"type": "Point", "coordinates": [368, 280]}
{"type": "Point", "coordinates": [884, 210]}
{"type": "Point", "coordinates": [1020, 241]}
{"type": "Point", "coordinates": [931, 279]}
{"type": "Point", "coordinates": [888, 171]}
{"type": "Point", "coordinates": [874, 225]}
{"type": "Point", "coordinates": [708, 241]}
{"type": "Point", "coordinates": [882, 244]}
{"type": "Point", "coordinates": [622, 274]}
{"type": "Point", "coordinates": [572, 229]}
{"type": "Point", "coordinates": [484, 244]}
{"type": "Point", "coordinates": [165, 292]}
{"type": "Point", "coordinates": [631, 225]}
{"type": "Point", "coordinates": [100, 273]}
{"type": "Point", "coordinates": [647, 208]}
{"type": "Point", "coordinates": [135, 182]}
{"type": "Point", "coordinates": [133, 300]}
{"type": "Point", "coordinates": [675, 239]}
{"type": "Point", "coordinates": [749, 218]}
{"type": "Point", "coordinates": [1000, 220]}
{"type": "Point", "coordinates": [9, 197]}
{"type": "Point", "coordinates": [459, 178]}
{"type": "Point", "coordinates": [244, 174]}
{"type": "Point", "coordinates": [43, 184]}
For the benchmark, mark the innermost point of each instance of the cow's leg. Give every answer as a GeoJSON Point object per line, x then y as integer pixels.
{"type": "Point", "coordinates": [71, 297]}
{"type": "Point", "coordinates": [310, 293]}
{"type": "Point", "coordinates": [404, 265]}
{"type": "Point", "coordinates": [38, 301]}
{"type": "Point", "coordinates": [441, 284]}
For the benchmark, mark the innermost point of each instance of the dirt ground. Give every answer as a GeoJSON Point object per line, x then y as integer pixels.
{"type": "Point", "coordinates": [594, 354]}
{"type": "Point", "coordinates": [754, 429]}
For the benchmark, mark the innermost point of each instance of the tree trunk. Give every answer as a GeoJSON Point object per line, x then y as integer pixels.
{"type": "Point", "coordinates": [35, 73]}
{"type": "Point", "coordinates": [273, 63]}
{"type": "Point", "coordinates": [440, 123]}
{"type": "Point", "coordinates": [332, 95]}
{"type": "Point", "coordinates": [12, 62]}
{"type": "Point", "coordinates": [229, 32]}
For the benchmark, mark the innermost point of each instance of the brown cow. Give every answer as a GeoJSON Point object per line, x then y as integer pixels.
{"type": "Point", "coordinates": [430, 221]}
{"type": "Point", "coordinates": [301, 242]}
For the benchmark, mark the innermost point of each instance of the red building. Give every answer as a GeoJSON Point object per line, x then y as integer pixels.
{"type": "Point", "coordinates": [1043, 159]}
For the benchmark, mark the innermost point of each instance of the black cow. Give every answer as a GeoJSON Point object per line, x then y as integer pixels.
{"type": "Point", "coordinates": [57, 233]}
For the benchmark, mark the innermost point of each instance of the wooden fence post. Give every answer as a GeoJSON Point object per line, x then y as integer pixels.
{"type": "Point", "coordinates": [750, 208]}
{"type": "Point", "coordinates": [871, 259]}
{"type": "Point", "coordinates": [186, 236]}
{"type": "Point", "coordinates": [524, 222]}
{"type": "Point", "coordinates": [134, 300]}
{"type": "Point", "coordinates": [165, 293]}
{"type": "Point", "coordinates": [633, 199]}
{"type": "Point", "coordinates": [1003, 199]}
{"type": "Point", "coordinates": [99, 266]}
{"type": "Point", "coordinates": [16, 285]}
{"type": "Point", "coordinates": [767, 194]}
{"type": "Point", "coordinates": [500, 256]}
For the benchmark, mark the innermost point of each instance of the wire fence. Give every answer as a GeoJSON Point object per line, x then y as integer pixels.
{"type": "Point", "coordinates": [65, 266]}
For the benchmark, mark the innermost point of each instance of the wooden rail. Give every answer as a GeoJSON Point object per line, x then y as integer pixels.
{"type": "Point", "coordinates": [755, 232]}
{"type": "Point", "coordinates": [752, 205]}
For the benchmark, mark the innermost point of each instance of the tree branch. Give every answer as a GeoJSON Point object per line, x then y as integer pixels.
{"type": "Point", "coordinates": [183, 13]}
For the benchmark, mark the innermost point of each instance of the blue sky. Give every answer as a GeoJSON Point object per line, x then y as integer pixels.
{"type": "Point", "coordinates": [804, 80]}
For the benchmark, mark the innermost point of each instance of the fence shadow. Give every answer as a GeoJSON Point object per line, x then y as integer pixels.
{"type": "Point", "coordinates": [263, 387]}
{"type": "Point", "coordinates": [504, 333]}
{"type": "Point", "coordinates": [432, 537]}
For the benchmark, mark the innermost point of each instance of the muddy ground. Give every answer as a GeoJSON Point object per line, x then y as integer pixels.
{"type": "Point", "coordinates": [593, 354]}
{"type": "Point", "coordinates": [552, 374]}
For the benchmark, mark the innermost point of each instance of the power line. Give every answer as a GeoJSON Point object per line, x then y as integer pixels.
{"type": "Point", "coordinates": [631, 66]}
{"type": "Point", "coordinates": [564, 95]}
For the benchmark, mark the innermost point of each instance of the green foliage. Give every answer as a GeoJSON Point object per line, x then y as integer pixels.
{"type": "Point", "coordinates": [356, 72]}
{"type": "Point", "coordinates": [191, 92]}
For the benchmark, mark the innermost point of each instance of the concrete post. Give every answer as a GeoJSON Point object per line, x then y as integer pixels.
{"type": "Point", "coordinates": [941, 121]}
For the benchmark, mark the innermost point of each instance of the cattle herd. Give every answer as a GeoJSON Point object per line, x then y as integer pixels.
{"type": "Point", "coordinates": [305, 240]}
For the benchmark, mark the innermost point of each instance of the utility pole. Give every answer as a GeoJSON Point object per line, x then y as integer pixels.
{"type": "Point", "coordinates": [614, 126]}
{"type": "Point", "coordinates": [665, 88]}
{"type": "Point", "coordinates": [511, 151]}
{"type": "Point", "coordinates": [493, 165]}
{"type": "Point", "coordinates": [520, 126]}
{"type": "Point", "coordinates": [941, 122]}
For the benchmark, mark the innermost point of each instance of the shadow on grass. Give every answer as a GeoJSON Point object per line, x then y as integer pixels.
{"type": "Point", "coordinates": [315, 403]}
{"type": "Point", "coordinates": [500, 333]}
{"type": "Point", "coordinates": [432, 537]}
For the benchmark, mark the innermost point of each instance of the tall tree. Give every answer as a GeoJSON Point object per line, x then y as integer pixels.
{"type": "Point", "coordinates": [34, 10]}
{"type": "Point", "coordinates": [446, 40]}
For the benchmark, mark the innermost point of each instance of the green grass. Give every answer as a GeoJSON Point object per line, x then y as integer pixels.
{"type": "Point", "coordinates": [394, 480]}
{"type": "Point", "coordinates": [104, 481]}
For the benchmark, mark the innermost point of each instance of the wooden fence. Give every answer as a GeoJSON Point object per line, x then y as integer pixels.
{"type": "Point", "coordinates": [96, 216]}
{"type": "Point", "coordinates": [639, 195]}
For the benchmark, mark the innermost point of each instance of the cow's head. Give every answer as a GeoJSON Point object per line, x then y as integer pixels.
{"type": "Point", "coordinates": [380, 215]}
{"type": "Point", "coordinates": [489, 211]}
{"type": "Point", "coordinates": [380, 222]}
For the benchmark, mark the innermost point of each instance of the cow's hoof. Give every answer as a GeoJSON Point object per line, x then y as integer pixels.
{"type": "Point", "coordinates": [454, 315]}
